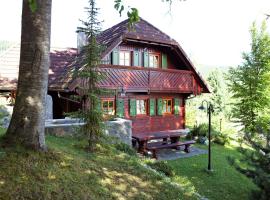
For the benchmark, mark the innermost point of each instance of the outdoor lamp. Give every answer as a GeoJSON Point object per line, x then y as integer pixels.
{"type": "Point", "coordinates": [209, 109]}
{"type": "Point", "coordinates": [123, 92]}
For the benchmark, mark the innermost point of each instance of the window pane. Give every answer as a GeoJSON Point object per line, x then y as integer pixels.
{"type": "Point", "coordinates": [169, 109]}
{"type": "Point", "coordinates": [155, 61]}
{"type": "Point", "coordinates": [110, 104]}
{"type": "Point", "coordinates": [104, 104]}
{"type": "Point", "coordinates": [141, 106]}
{"type": "Point", "coordinates": [122, 55]}
{"type": "Point", "coordinates": [127, 55]}
{"type": "Point", "coordinates": [121, 62]}
{"type": "Point", "coordinates": [164, 106]}
{"type": "Point", "coordinates": [108, 107]}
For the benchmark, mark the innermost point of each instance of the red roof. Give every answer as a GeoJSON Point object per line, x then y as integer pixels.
{"type": "Point", "coordinates": [64, 62]}
{"type": "Point", "coordinates": [9, 66]}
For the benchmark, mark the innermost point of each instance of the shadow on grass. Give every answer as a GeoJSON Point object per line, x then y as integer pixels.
{"type": "Point", "coordinates": [66, 171]}
{"type": "Point", "coordinates": [225, 182]}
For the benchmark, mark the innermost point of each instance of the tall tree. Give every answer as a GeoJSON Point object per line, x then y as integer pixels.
{"type": "Point", "coordinates": [28, 118]}
{"type": "Point", "coordinates": [218, 91]}
{"type": "Point", "coordinates": [250, 84]}
{"type": "Point", "coordinates": [91, 57]}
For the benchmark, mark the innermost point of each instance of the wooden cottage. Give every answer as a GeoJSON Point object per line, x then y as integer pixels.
{"type": "Point", "coordinates": [149, 72]}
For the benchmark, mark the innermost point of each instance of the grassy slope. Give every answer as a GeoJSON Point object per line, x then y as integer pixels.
{"type": "Point", "coordinates": [68, 172]}
{"type": "Point", "coordinates": [224, 183]}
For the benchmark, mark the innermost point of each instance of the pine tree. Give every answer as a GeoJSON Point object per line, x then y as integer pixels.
{"type": "Point", "coordinates": [250, 84]}
{"type": "Point", "coordinates": [91, 113]}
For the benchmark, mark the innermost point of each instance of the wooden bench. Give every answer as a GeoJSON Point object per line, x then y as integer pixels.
{"type": "Point", "coordinates": [154, 146]}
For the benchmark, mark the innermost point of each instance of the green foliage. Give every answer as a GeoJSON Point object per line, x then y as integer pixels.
{"type": "Point", "coordinates": [250, 84]}
{"type": "Point", "coordinates": [132, 13]}
{"type": "Point", "coordinates": [125, 148]}
{"type": "Point", "coordinates": [201, 131]}
{"type": "Point", "coordinates": [224, 183]}
{"type": "Point", "coordinates": [219, 94]}
{"type": "Point", "coordinates": [250, 81]}
{"type": "Point", "coordinates": [91, 113]}
{"type": "Point", "coordinates": [163, 167]}
{"type": "Point", "coordinates": [221, 139]}
{"type": "Point", "coordinates": [66, 171]}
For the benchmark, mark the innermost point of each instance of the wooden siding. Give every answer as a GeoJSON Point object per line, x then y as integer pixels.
{"type": "Point", "coordinates": [142, 79]}
{"type": "Point", "coordinates": [147, 123]}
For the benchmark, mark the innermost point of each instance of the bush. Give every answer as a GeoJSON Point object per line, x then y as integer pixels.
{"type": "Point", "coordinates": [198, 131]}
{"type": "Point", "coordinates": [162, 167]}
{"type": "Point", "coordinates": [125, 148]}
{"type": "Point", "coordinates": [221, 139]}
{"type": "Point", "coordinates": [201, 133]}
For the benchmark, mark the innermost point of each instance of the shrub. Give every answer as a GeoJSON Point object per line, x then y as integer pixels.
{"type": "Point", "coordinates": [162, 167]}
{"type": "Point", "coordinates": [221, 139]}
{"type": "Point", "coordinates": [201, 132]}
{"type": "Point", "coordinates": [125, 148]}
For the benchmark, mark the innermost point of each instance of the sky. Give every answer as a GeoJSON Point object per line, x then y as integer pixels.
{"type": "Point", "coordinates": [212, 32]}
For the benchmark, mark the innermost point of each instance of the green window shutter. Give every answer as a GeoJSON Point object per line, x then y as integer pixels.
{"type": "Point", "coordinates": [152, 107]}
{"type": "Point", "coordinates": [99, 106]}
{"type": "Point", "coordinates": [176, 106]}
{"type": "Point", "coordinates": [136, 59]}
{"type": "Point", "coordinates": [115, 57]}
{"type": "Point", "coordinates": [164, 61]}
{"type": "Point", "coordinates": [159, 106]}
{"type": "Point", "coordinates": [132, 107]}
{"type": "Point", "coordinates": [120, 107]}
{"type": "Point", "coordinates": [145, 59]}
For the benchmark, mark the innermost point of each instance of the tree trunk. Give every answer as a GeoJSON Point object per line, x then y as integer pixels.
{"type": "Point", "coordinates": [28, 119]}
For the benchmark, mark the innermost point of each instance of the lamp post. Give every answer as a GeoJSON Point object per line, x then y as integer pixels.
{"type": "Point", "coordinates": [209, 111]}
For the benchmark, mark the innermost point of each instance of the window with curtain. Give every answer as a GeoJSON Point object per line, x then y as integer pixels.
{"type": "Point", "coordinates": [124, 58]}
{"type": "Point", "coordinates": [141, 106]}
{"type": "Point", "coordinates": [154, 60]}
{"type": "Point", "coordinates": [167, 106]}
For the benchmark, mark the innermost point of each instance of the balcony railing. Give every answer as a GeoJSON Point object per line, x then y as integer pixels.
{"type": "Point", "coordinates": [147, 79]}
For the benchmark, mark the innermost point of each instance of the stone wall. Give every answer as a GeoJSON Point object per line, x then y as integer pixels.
{"type": "Point", "coordinates": [120, 129]}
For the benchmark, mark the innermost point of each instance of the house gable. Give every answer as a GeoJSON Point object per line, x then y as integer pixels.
{"type": "Point", "coordinates": [147, 35]}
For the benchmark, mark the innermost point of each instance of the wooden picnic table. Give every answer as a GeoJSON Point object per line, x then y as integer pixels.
{"type": "Point", "coordinates": [144, 138]}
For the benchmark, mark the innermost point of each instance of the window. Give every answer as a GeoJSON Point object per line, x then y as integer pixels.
{"type": "Point", "coordinates": [167, 106]}
{"type": "Point", "coordinates": [108, 107]}
{"type": "Point", "coordinates": [124, 58]}
{"type": "Point", "coordinates": [141, 107]}
{"type": "Point", "coordinates": [154, 60]}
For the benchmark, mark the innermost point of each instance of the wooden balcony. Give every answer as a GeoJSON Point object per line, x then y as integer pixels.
{"type": "Point", "coordinates": [140, 79]}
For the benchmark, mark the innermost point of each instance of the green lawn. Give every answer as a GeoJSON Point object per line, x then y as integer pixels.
{"type": "Point", "coordinates": [225, 182]}
{"type": "Point", "coordinates": [68, 172]}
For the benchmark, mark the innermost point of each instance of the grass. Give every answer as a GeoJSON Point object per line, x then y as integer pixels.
{"type": "Point", "coordinates": [225, 182]}
{"type": "Point", "coordinates": [68, 172]}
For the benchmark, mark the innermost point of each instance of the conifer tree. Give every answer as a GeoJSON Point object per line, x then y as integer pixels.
{"type": "Point", "coordinates": [91, 113]}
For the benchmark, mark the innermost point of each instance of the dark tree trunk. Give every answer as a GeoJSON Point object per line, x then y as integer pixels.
{"type": "Point", "coordinates": [27, 124]}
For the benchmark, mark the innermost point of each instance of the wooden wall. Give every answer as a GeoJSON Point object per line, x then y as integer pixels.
{"type": "Point", "coordinates": [173, 61]}
{"type": "Point", "coordinates": [149, 123]}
